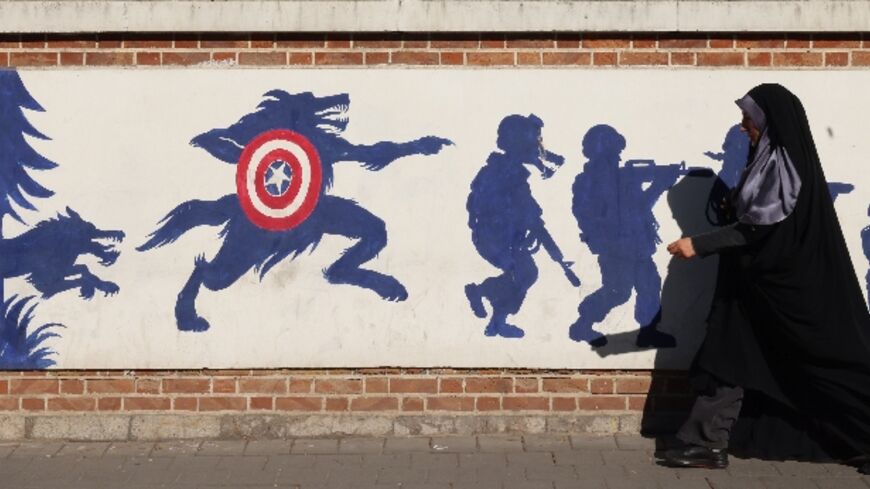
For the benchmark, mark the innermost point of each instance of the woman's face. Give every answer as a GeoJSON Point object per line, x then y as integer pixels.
{"type": "Point", "coordinates": [747, 126]}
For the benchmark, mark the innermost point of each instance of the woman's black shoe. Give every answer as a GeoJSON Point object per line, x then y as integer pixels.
{"type": "Point", "coordinates": [698, 457]}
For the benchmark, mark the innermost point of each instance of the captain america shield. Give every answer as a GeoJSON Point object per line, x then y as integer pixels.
{"type": "Point", "coordinates": [278, 179]}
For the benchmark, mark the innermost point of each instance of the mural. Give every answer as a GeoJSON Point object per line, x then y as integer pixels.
{"type": "Point", "coordinates": [546, 238]}
{"type": "Point", "coordinates": [506, 223]}
{"type": "Point", "coordinates": [294, 141]}
{"type": "Point", "coordinates": [46, 254]}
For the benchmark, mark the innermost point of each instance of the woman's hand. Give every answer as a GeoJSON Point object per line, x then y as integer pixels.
{"type": "Point", "coordinates": [682, 248]}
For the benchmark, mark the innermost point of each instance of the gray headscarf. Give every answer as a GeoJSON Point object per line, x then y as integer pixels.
{"type": "Point", "coordinates": [768, 188]}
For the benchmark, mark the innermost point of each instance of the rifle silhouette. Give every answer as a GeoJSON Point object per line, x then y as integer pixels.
{"type": "Point", "coordinates": [648, 171]}
{"type": "Point", "coordinates": [552, 249]}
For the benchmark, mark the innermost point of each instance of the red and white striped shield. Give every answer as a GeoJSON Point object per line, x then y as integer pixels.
{"type": "Point", "coordinates": [278, 179]}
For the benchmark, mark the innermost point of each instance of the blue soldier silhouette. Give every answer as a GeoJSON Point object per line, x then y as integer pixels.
{"type": "Point", "coordinates": [506, 222]}
{"type": "Point", "coordinates": [865, 243]}
{"type": "Point", "coordinates": [616, 221]}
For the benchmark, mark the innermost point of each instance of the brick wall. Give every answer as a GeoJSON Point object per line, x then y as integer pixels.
{"type": "Point", "coordinates": [389, 392]}
{"type": "Point", "coordinates": [774, 50]}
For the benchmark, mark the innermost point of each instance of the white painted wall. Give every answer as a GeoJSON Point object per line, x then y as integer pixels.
{"type": "Point", "coordinates": [121, 140]}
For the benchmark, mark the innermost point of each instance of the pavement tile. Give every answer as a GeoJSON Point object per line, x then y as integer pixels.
{"type": "Point", "coordinates": [840, 483]}
{"type": "Point", "coordinates": [145, 471]}
{"type": "Point", "coordinates": [578, 457]}
{"type": "Point", "coordinates": [361, 445]}
{"type": "Point", "coordinates": [521, 484]}
{"type": "Point", "coordinates": [300, 476]}
{"type": "Point", "coordinates": [387, 460]}
{"type": "Point", "coordinates": [175, 448]}
{"type": "Point", "coordinates": [83, 450]}
{"type": "Point", "coordinates": [802, 469]}
{"type": "Point", "coordinates": [129, 449]}
{"type": "Point", "coordinates": [552, 473]}
{"type": "Point", "coordinates": [632, 483]}
{"type": "Point", "coordinates": [401, 476]}
{"type": "Point", "coordinates": [627, 457]}
{"type": "Point", "coordinates": [634, 442]}
{"type": "Point", "coordinates": [482, 460]}
{"type": "Point", "coordinates": [459, 474]}
{"type": "Point", "coordinates": [582, 483]}
{"type": "Point", "coordinates": [541, 459]}
{"type": "Point", "coordinates": [268, 447]}
{"type": "Point", "coordinates": [36, 449]}
{"type": "Point", "coordinates": [478, 485]}
{"type": "Point", "coordinates": [416, 444]}
{"type": "Point", "coordinates": [546, 443]}
{"type": "Point", "coordinates": [751, 468]}
{"type": "Point", "coordinates": [315, 445]}
{"type": "Point", "coordinates": [454, 444]}
{"type": "Point", "coordinates": [841, 470]}
{"type": "Point", "coordinates": [597, 442]}
{"type": "Point", "coordinates": [281, 462]}
{"type": "Point", "coordinates": [725, 481]}
{"type": "Point", "coordinates": [495, 443]}
{"type": "Point", "coordinates": [222, 447]}
{"type": "Point", "coordinates": [445, 461]}
{"type": "Point", "coordinates": [788, 483]}
{"type": "Point", "coordinates": [328, 462]}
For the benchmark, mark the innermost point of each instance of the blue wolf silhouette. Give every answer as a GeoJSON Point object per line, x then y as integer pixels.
{"type": "Point", "coordinates": [615, 215]}
{"type": "Point", "coordinates": [46, 255]}
{"type": "Point", "coordinates": [246, 246]}
{"type": "Point", "coordinates": [506, 222]}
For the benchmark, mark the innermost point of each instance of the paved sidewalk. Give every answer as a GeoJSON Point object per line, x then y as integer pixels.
{"type": "Point", "coordinates": [482, 462]}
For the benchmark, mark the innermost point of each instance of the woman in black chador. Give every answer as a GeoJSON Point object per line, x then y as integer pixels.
{"type": "Point", "coordinates": [784, 371]}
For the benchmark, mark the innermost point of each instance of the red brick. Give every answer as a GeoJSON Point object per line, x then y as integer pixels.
{"type": "Point", "coordinates": [378, 58]}
{"type": "Point", "coordinates": [377, 41]}
{"type": "Point", "coordinates": [682, 43]}
{"type": "Point", "coordinates": [299, 386]}
{"type": "Point", "coordinates": [148, 59]}
{"type": "Point", "coordinates": [299, 403]}
{"type": "Point", "coordinates": [838, 42]}
{"type": "Point", "coordinates": [224, 57]}
{"type": "Point", "coordinates": [429, 386]}
{"type": "Point", "coordinates": [601, 386]}
{"type": "Point", "coordinates": [450, 385]}
{"type": "Point", "coordinates": [414, 58]}
{"type": "Point", "coordinates": [33, 59]}
{"type": "Point", "coordinates": [263, 386]}
{"type": "Point", "coordinates": [300, 41]}
{"type": "Point", "coordinates": [186, 42]}
{"type": "Point", "coordinates": [721, 59]}
{"type": "Point", "coordinates": [452, 58]}
{"type": "Point", "coordinates": [338, 386]}
{"type": "Point", "coordinates": [566, 385]}
{"type": "Point", "coordinates": [604, 58]}
{"type": "Point", "coordinates": [147, 403]}
{"type": "Point", "coordinates": [108, 59]}
{"type": "Point", "coordinates": [512, 403]}
{"type": "Point", "coordinates": [338, 58]}
{"type": "Point", "coordinates": [525, 385]}
{"type": "Point", "coordinates": [412, 404]}
{"type": "Point", "coordinates": [489, 58]}
{"type": "Point", "coordinates": [606, 42]}
{"type": "Point", "coordinates": [639, 385]}
{"type": "Point", "coordinates": [337, 403]}
{"type": "Point", "coordinates": [564, 404]}
{"type": "Point", "coordinates": [72, 404]}
{"type": "Point", "coordinates": [300, 58]}
{"type": "Point", "coordinates": [682, 59]}
{"type": "Point", "coordinates": [260, 403]}
{"type": "Point", "coordinates": [836, 59]}
{"type": "Point", "coordinates": [263, 59]}
{"type": "Point", "coordinates": [33, 41]}
{"type": "Point", "coordinates": [4, 387]}
{"type": "Point", "coordinates": [75, 41]}
{"type": "Point", "coordinates": [528, 59]}
{"type": "Point", "coordinates": [798, 41]}
{"type": "Point", "coordinates": [639, 58]}
{"type": "Point", "coordinates": [450, 403]}
{"type": "Point", "coordinates": [488, 403]}
{"type": "Point", "coordinates": [797, 59]}
{"type": "Point", "coordinates": [861, 58]}
{"type": "Point", "coordinates": [147, 386]}
{"type": "Point", "coordinates": [109, 404]}
{"type": "Point", "coordinates": [374, 404]}
{"type": "Point", "coordinates": [110, 386]}
{"type": "Point", "coordinates": [338, 41]}
{"type": "Point", "coordinates": [33, 404]}
{"type": "Point", "coordinates": [185, 58]}
{"type": "Point", "coordinates": [222, 403]}
{"type": "Point", "coordinates": [9, 403]}
{"type": "Point", "coordinates": [567, 58]}
{"type": "Point", "coordinates": [223, 386]}
{"type": "Point", "coordinates": [377, 385]}
{"type": "Point", "coordinates": [415, 41]}
{"type": "Point", "coordinates": [109, 41]}
{"type": "Point", "coordinates": [600, 403]}
{"type": "Point", "coordinates": [262, 41]}
{"type": "Point", "coordinates": [568, 41]}
{"type": "Point", "coordinates": [4, 59]}
{"type": "Point", "coordinates": [9, 41]}
{"type": "Point", "coordinates": [644, 42]}
{"type": "Point", "coordinates": [492, 41]}
{"type": "Point", "coordinates": [637, 403]}
{"type": "Point", "coordinates": [531, 41]}
{"type": "Point", "coordinates": [760, 43]}
{"type": "Point", "coordinates": [759, 59]}
{"type": "Point", "coordinates": [186, 386]}
{"type": "Point", "coordinates": [489, 384]}
{"type": "Point", "coordinates": [224, 41]}
{"type": "Point", "coordinates": [72, 386]}
{"type": "Point", "coordinates": [34, 386]}
{"type": "Point", "coordinates": [151, 41]}
{"type": "Point", "coordinates": [721, 42]}
{"type": "Point", "coordinates": [456, 41]}
{"type": "Point", "coordinates": [184, 404]}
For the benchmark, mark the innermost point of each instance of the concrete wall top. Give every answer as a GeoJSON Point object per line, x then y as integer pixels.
{"type": "Point", "coordinates": [19, 16]}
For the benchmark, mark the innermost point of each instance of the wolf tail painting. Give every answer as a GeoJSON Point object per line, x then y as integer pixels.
{"type": "Point", "coordinates": [284, 152]}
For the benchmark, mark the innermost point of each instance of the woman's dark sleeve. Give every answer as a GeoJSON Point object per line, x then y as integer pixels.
{"type": "Point", "coordinates": [726, 237]}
